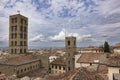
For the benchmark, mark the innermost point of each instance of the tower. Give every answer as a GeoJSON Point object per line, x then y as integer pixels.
{"type": "Point", "coordinates": [70, 44]}
{"type": "Point", "coordinates": [18, 34]}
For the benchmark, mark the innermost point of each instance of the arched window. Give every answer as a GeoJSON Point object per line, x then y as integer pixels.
{"type": "Point", "coordinates": [69, 43]}
{"type": "Point", "coordinates": [21, 70]}
{"type": "Point", "coordinates": [18, 72]}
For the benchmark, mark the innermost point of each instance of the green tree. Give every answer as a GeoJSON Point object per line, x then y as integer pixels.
{"type": "Point", "coordinates": [106, 47]}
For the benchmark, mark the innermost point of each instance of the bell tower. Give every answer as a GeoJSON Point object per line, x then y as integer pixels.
{"type": "Point", "coordinates": [18, 34]}
{"type": "Point", "coordinates": [70, 44]}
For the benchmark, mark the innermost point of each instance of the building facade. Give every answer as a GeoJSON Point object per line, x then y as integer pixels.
{"type": "Point", "coordinates": [116, 48]}
{"type": "Point", "coordinates": [57, 69]}
{"type": "Point", "coordinates": [19, 65]}
{"type": "Point", "coordinates": [113, 66]}
{"type": "Point", "coordinates": [70, 45]}
{"type": "Point", "coordinates": [18, 34]}
{"type": "Point", "coordinates": [58, 66]}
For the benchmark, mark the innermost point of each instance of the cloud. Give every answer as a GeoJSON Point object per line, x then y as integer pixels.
{"type": "Point", "coordinates": [38, 38]}
{"type": "Point", "coordinates": [107, 7]}
{"type": "Point", "coordinates": [62, 34]}
{"type": "Point", "coordinates": [59, 37]}
{"type": "Point", "coordinates": [4, 38]}
{"type": "Point", "coordinates": [89, 20]}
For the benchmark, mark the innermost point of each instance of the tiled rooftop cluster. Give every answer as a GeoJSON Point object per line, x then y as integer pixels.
{"type": "Point", "coordinates": [18, 59]}
{"type": "Point", "coordinates": [114, 60]}
{"type": "Point", "coordinates": [84, 74]}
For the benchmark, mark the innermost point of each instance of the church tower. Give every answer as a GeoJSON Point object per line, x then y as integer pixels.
{"type": "Point", "coordinates": [70, 44]}
{"type": "Point", "coordinates": [18, 34]}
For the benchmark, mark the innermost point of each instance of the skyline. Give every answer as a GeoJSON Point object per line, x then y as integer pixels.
{"type": "Point", "coordinates": [91, 21]}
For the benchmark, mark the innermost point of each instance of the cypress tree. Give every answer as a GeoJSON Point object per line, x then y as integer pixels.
{"type": "Point", "coordinates": [106, 47]}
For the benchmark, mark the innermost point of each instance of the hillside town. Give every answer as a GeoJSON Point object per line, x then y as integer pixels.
{"type": "Point", "coordinates": [68, 63]}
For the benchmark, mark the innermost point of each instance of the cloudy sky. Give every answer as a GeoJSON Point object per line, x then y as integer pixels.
{"type": "Point", "coordinates": [91, 21]}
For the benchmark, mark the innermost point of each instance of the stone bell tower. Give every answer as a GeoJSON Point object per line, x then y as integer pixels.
{"type": "Point", "coordinates": [18, 34]}
{"type": "Point", "coordinates": [70, 44]}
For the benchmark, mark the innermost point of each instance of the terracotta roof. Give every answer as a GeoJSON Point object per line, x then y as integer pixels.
{"type": "Point", "coordinates": [49, 53]}
{"type": "Point", "coordinates": [117, 45]}
{"type": "Point", "coordinates": [18, 59]}
{"type": "Point", "coordinates": [91, 47]}
{"type": "Point", "coordinates": [101, 46]}
{"type": "Point", "coordinates": [41, 72]}
{"type": "Point", "coordinates": [114, 61]}
{"type": "Point", "coordinates": [59, 61]}
{"type": "Point", "coordinates": [79, 74]}
{"type": "Point", "coordinates": [84, 74]}
{"type": "Point", "coordinates": [64, 76]}
{"type": "Point", "coordinates": [92, 58]}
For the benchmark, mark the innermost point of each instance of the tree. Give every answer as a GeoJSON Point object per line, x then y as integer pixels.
{"type": "Point", "coordinates": [106, 47]}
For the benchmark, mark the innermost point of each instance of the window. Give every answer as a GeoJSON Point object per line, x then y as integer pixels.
{"type": "Point", "coordinates": [90, 64]}
{"type": "Point", "coordinates": [20, 50]}
{"type": "Point", "coordinates": [11, 50]}
{"type": "Point", "coordinates": [25, 69]}
{"type": "Point", "coordinates": [15, 50]}
{"type": "Point", "coordinates": [28, 68]}
{"type": "Point", "coordinates": [69, 68]}
{"type": "Point", "coordinates": [50, 70]}
{"type": "Point", "coordinates": [21, 21]}
{"type": "Point", "coordinates": [15, 43]}
{"type": "Point", "coordinates": [25, 29]}
{"type": "Point", "coordinates": [12, 20]}
{"type": "Point", "coordinates": [15, 28]}
{"type": "Point", "coordinates": [21, 43]}
{"type": "Point", "coordinates": [11, 43]}
{"type": "Point", "coordinates": [60, 67]}
{"type": "Point", "coordinates": [25, 36]}
{"type": "Point", "coordinates": [21, 70]}
{"type": "Point", "coordinates": [21, 28]}
{"type": "Point", "coordinates": [15, 35]}
{"type": "Point", "coordinates": [17, 72]}
{"type": "Point", "coordinates": [25, 43]}
{"type": "Point", "coordinates": [24, 50]}
{"type": "Point", "coordinates": [52, 66]}
{"type": "Point", "coordinates": [63, 68]}
{"type": "Point", "coordinates": [15, 20]}
{"type": "Point", "coordinates": [25, 22]}
{"type": "Point", "coordinates": [55, 67]}
{"type": "Point", "coordinates": [68, 43]}
{"type": "Point", "coordinates": [21, 35]}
